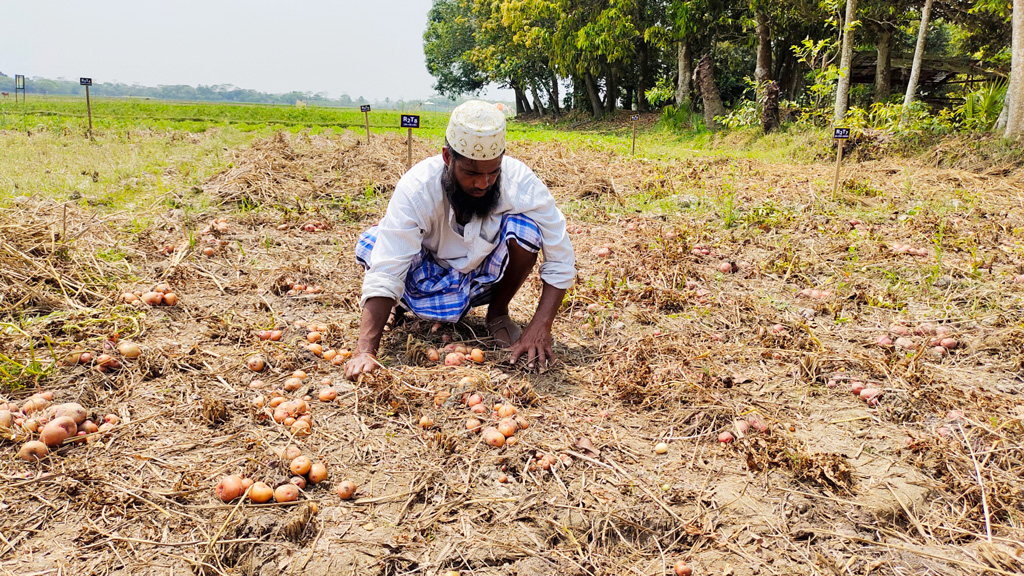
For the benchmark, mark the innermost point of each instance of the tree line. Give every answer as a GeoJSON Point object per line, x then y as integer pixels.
{"type": "Point", "coordinates": [738, 60]}
{"type": "Point", "coordinates": [200, 93]}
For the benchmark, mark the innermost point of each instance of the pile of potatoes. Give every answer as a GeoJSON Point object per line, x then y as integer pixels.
{"type": "Point", "coordinates": [104, 361]}
{"type": "Point", "coordinates": [297, 288]}
{"type": "Point", "coordinates": [315, 335]}
{"type": "Point", "coordinates": [742, 427]}
{"type": "Point", "coordinates": [210, 233]}
{"type": "Point", "coordinates": [900, 248]}
{"type": "Point", "coordinates": [496, 425]}
{"type": "Point", "coordinates": [161, 295]}
{"type": "Point", "coordinates": [293, 413]}
{"type": "Point", "coordinates": [315, 226]}
{"type": "Point", "coordinates": [305, 473]}
{"type": "Point", "coordinates": [940, 339]}
{"type": "Point", "coordinates": [54, 424]}
{"type": "Point", "coordinates": [814, 294]}
{"type": "Point", "coordinates": [456, 354]}
{"type": "Point", "coordinates": [863, 389]}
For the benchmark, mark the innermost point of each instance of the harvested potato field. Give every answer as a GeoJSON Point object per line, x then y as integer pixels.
{"type": "Point", "coordinates": [757, 377]}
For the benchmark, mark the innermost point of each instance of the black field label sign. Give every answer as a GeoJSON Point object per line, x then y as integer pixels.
{"type": "Point", "coordinates": [364, 108]}
{"type": "Point", "coordinates": [85, 81]}
{"type": "Point", "coordinates": [410, 121]}
{"type": "Point", "coordinates": [842, 133]}
{"type": "Point", "coordinates": [634, 117]}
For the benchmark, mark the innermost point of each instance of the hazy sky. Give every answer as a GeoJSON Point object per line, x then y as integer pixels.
{"type": "Point", "coordinates": [370, 48]}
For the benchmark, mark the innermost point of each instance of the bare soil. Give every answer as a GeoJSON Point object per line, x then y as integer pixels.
{"type": "Point", "coordinates": [657, 345]}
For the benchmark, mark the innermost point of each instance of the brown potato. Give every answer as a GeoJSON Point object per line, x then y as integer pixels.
{"type": "Point", "coordinates": [317, 473]}
{"type": "Point", "coordinates": [33, 451]}
{"type": "Point", "coordinates": [492, 437]}
{"type": "Point", "coordinates": [346, 490]}
{"type": "Point", "coordinates": [229, 488]}
{"type": "Point", "coordinates": [129, 349]}
{"type": "Point", "coordinates": [58, 430]}
{"type": "Point", "coordinates": [507, 427]}
{"type": "Point", "coordinates": [286, 493]}
{"type": "Point", "coordinates": [152, 298]}
{"type": "Point", "coordinates": [72, 410]}
{"type": "Point", "coordinates": [300, 465]}
{"type": "Point", "coordinates": [261, 493]}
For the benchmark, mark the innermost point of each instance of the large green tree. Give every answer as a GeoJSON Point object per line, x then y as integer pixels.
{"type": "Point", "coordinates": [448, 43]}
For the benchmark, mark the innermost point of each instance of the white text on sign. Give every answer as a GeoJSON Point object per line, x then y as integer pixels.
{"type": "Point", "coordinates": [85, 81]}
{"type": "Point", "coordinates": [364, 108]}
{"type": "Point", "coordinates": [410, 121]}
{"type": "Point", "coordinates": [842, 133]}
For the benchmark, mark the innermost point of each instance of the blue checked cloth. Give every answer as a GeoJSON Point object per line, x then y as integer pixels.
{"type": "Point", "coordinates": [433, 292]}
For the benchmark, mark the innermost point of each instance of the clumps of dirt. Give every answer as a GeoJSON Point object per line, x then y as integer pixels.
{"type": "Point", "coordinates": [823, 469]}
{"type": "Point", "coordinates": [214, 410]}
{"type": "Point", "coordinates": [826, 470]}
{"type": "Point", "coordinates": [288, 170]}
{"type": "Point", "coordinates": [647, 373]}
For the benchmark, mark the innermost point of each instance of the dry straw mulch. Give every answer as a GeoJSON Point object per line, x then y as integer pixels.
{"type": "Point", "coordinates": [657, 344]}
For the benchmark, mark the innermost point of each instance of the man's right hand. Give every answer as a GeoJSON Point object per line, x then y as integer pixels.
{"type": "Point", "coordinates": [371, 327]}
{"type": "Point", "coordinates": [361, 363]}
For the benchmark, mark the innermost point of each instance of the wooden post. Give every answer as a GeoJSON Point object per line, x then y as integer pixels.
{"type": "Point", "coordinates": [839, 135]}
{"type": "Point", "coordinates": [839, 161]}
{"type": "Point", "coordinates": [409, 121]}
{"type": "Point", "coordinates": [88, 107]}
{"type": "Point", "coordinates": [367, 116]}
{"type": "Point", "coordinates": [88, 103]}
{"type": "Point", "coordinates": [634, 118]}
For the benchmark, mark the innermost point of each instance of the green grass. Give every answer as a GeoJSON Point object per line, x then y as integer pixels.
{"type": "Point", "coordinates": [68, 114]}
{"type": "Point", "coordinates": [148, 153]}
{"type": "Point", "coordinates": [112, 171]}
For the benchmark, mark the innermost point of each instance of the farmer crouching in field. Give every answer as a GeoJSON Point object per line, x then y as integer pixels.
{"type": "Point", "coordinates": [463, 229]}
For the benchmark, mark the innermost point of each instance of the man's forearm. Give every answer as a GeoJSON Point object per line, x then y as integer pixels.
{"type": "Point", "coordinates": [371, 325]}
{"type": "Point", "coordinates": [547, 307]}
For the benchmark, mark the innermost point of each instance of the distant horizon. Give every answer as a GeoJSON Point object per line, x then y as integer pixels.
{"type": "Point", "coordinates": [355, 98]}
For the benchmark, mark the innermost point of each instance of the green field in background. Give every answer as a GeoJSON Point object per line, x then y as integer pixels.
{"type": "Point", "coordinates": [144, 150]}
{"type": "Point", "coordinates": [69, 113]}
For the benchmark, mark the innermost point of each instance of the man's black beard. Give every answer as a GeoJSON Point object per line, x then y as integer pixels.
{"type": "Point", "coordinates": [466, 206]}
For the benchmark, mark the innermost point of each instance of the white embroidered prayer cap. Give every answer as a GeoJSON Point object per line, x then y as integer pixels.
{"type": "Point", "coordinates": [476, 130]}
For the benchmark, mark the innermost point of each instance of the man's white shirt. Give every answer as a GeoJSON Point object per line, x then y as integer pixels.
{"type": "Point", "coordinates": [420, 216]}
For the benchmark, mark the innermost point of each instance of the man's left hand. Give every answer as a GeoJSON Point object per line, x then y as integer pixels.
{"type": "Point", "coordinates": [535, 345]}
